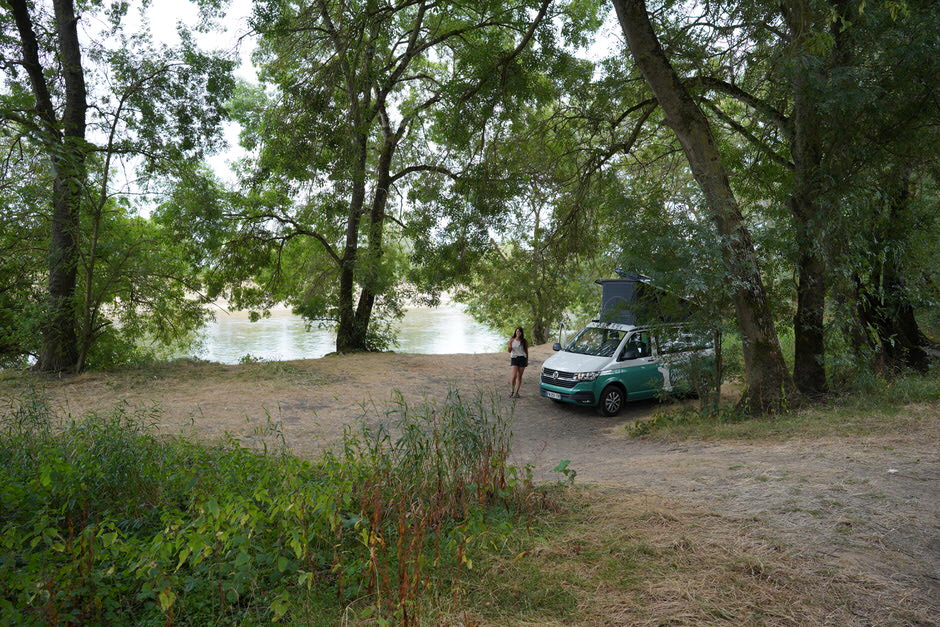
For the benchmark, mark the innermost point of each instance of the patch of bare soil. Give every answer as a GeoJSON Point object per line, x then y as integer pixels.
{"type": "Point", "coordinates": [866, 508]}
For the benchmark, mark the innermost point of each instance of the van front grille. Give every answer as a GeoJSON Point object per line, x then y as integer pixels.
{"type": "Point", "coordinates": [560, 378]}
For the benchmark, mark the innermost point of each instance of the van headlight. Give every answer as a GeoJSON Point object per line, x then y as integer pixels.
{"type": "Point", "coordinates": [587, 376]}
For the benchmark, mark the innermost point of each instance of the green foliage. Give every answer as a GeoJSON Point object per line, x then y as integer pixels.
{"type": "Point", "coordinates": [865, 405]}
{"type": "Point", "coordinates": [365, 108]}
{"type": "Point", "coordinates": [143, 300]}
{"type": "Point", "coordinates": [531, 288]}
{"type": "Point", "coordinates": [23, 230]}
{"type": "Point", "coordinates": [103, 521]}
{"type": "Point", "coordinates": [148, 112]}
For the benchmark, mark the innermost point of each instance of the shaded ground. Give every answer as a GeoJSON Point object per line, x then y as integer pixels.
{"type": "Point", "coordinates": [867, 508]}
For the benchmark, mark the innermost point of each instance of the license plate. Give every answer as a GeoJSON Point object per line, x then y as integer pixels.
{"type": "Point", "coordinates": [554, 395]}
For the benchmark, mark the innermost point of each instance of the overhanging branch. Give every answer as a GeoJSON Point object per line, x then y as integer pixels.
{"type": "Point", "coordinates": [774, 115]}
{"type": "Point", "coordinates": [425, 168]}
{"type": "Point", "coordinates": [748, 135]}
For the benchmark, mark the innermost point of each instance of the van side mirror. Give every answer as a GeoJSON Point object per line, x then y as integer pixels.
{"type": "Point", "coordinates": [556, 346]}
{"type": "Point", "coordinates": [628, 354]}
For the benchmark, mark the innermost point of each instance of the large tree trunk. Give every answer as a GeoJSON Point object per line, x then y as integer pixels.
{"type": "Point", "coordinates": [769, 386]}
{"type": "Point", "coordinates": [539, 330]}
{"type": "Point", "coordinates": [348, 336]}
{"type": "Point", "coordinates": [890, 313]}
{"type": "Point", "coordinates": [809, 371]}
{"type": "Point", "coordinates": [60, 341]}
{"type": "Point", "coordinates": [65, 145]}
{"type": "Point", "coordinates": [372, 271]}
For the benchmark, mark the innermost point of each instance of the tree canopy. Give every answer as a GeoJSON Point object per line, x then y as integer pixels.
{"type": "Point", "coordinates": [776, 163]}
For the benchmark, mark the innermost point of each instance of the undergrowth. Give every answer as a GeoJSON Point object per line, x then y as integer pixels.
{"type": "Point", "coordinates": [870, 405]}
{"type": "Point", "coordinates": [104, 521]}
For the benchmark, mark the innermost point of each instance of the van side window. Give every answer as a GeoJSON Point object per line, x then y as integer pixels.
{"type": "Point", "coordinates": [680, 340]}
{"type": "Point", "coordinates": [639, 342]}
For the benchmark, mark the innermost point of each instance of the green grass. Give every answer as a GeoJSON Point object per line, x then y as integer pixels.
{"type": "Point", "coordinates": [873, 406]}
{"type": "Point", "coordinates": [105, 521]}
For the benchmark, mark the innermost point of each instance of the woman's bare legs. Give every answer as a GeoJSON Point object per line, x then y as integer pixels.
{"type": "Point", "coordinates": [517, 379]}
{"type": "Point", "coordinates": [516, 375]}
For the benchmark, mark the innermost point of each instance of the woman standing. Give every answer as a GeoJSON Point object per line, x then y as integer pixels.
{"type": "Point", "coordinates": [518, 358]}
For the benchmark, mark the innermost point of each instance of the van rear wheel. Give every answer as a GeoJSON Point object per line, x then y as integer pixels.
{"type": "Point", "coordinates": [611, 401]}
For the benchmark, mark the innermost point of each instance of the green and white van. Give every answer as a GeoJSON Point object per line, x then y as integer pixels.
{"type": "Point", "coordinates": [609, 363]}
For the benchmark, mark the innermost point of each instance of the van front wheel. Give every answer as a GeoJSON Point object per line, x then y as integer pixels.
{"type": "Point", "coordinates": [611, 401]}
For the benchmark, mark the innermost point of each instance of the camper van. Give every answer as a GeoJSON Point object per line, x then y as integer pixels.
{"type": "Point", "coordinates": [620, 358]}
{"type": "Point", "coordinates": [608, 364]}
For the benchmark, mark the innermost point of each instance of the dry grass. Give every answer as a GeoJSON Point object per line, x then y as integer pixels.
{"type": "Point", "coordinates": [623, 558]}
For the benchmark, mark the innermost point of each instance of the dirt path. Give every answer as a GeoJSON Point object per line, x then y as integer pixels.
{"type": "Point", "coordinates": [869, 507]}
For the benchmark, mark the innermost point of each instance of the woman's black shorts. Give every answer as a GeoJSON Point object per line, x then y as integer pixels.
{"type": "Point", "coordinates": [522, 362]}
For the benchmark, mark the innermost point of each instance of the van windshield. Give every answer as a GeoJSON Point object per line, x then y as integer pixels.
{"type": "Point", "coordinates": [595, 341]}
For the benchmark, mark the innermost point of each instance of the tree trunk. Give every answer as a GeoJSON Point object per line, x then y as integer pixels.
{"type": "Point", "coordinates": [769, 386]}
{"type": "Point", "coordinates": [810, 224]}
{"type": "Point", "coordinates": [66, 148]}
{"type": "Point", "coordinates": [371, 282]}
{"type": "Point", "coordinates": [859, 324]}
{"type": "Point", "coordinates": [60, 341]}
{"type": "Point", "coordinates": [884, 304]}
{"type": "Point", "coordinates": [892, 316]}
{"type": "Point", "coordinates": [539, 331]}
{"type": "Point", "coordinates": [809, 372]}
{"type": "Point", "coordinates": [348, 336]}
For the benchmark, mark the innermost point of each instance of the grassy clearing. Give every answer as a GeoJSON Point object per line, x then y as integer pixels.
{"type": "Point", "coordinates": [105, 522]}
{"type": "Point", "coordinates": [902, 405]}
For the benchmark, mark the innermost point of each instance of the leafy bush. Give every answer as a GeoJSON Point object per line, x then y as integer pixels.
{"type": "Point", "coordinates": [104, 522]}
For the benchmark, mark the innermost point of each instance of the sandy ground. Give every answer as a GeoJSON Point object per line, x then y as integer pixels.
{"type": "Point", "coordinates": [869, 507]}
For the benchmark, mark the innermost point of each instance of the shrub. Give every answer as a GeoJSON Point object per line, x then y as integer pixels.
{"type": "Point", "coordinates": [103, 521]}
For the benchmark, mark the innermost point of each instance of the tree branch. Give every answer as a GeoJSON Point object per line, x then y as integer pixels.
{"type": "Point", "coordinates": [424, 168]}
{"type": "Point", "coordinates": [777, 117]}
{"type": "Point", "coordinates": [748, 135]}
{"type": "Point", "coordinates": [300, 230]}
{"type": "Point", "coordinates": [503, 62]}
{"type": "Point", "coordinates": [627, 145]}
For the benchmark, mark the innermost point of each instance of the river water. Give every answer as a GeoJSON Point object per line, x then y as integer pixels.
{"type": "Point", "coordinates": [283, 336]}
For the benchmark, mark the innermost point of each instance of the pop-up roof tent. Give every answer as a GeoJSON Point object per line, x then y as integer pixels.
{"type": "Point", "coordinates": [632, 299]}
